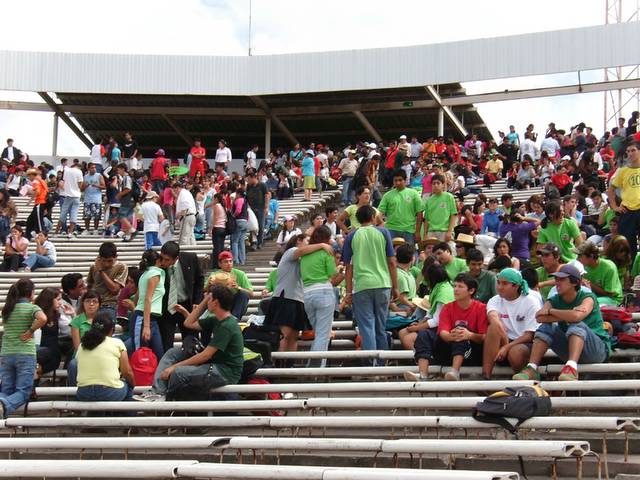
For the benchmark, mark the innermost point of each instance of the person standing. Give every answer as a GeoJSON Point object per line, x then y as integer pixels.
{"type": "Point", "coordinates": [627, 179]}
{"type": "Point", "coordinates": [348, 167]}
{"type": "Point", "coordinates": [403, 209]}
{"type": "Point", "coordinates": [257, 198]}
{"type": "Point", "coordinates": [183, 286]}
{"type": "Point", "coordinates": [219, 229]}
{"type": "Point", "coordinates": [152, 218]}
{"type": "Point", "coordinates": [371, 278]}
{"type": "Point", "coordinates": [198, 159]}
{"type": "Point", "coordinates": [72, 189]}
{"type": "Point", "coordinates": [10, 152]}
{"type": "Point", "coordinates": [127, 202]}
{"type": "Point", "coordinates": [20, 318]}
{"type": "Point", "coordinates": [251, 159]}
{"type": "Point", "coordinates": [186, 212]}
{"type": "Point", "coordinates": [308, 175]}
{"type": "Point", "coordinates": [39, 191]}
{"type": "Point", "coordinates": [240, 211]}
{"type": "Point", "coordinates": [93, 185]}
{"type": "Point", "coordinates": [158, 172]}
{"type": "Point", "coordinates": [130, 152]}
{"type": "Point", "coordinates": [440, 212]}
{"type": "Point", "coordinates": [223, 154]}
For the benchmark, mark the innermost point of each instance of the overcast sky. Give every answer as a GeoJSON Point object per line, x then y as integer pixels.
{"type": "Point", "coordinates": [220, 27]}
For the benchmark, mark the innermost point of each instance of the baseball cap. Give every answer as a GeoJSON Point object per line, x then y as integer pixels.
{"type": "Point", "coordinates": [568, 270]}
{"type": "Point", "coordinates": [550, 248]}
{"type": "Point", "coordinates": [288, 218]}
{"type": "Point", "coordinates": [226, 255]}
{"type": "Point", "coordinates": [403, 137]}
{"type": "Point", "coordinates": [373, 146]}
{"type": "Point", "coordinates": [160, 152]}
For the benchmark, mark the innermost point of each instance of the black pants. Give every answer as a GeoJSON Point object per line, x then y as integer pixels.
{"type": "Point", "coordinates": [218, 236]}
{"type": "Point", "coordinates": [430, 346]}
{"type": "Point", "coordinates": [34, 221]}
{"type": "Point", "coordinates": [11, 263]}
{"type": "Point", "coordinates": [167, 326]}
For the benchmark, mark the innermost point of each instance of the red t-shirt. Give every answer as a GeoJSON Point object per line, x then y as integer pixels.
{"type": "Point", "coordinates": [157, 168]}
{"type": "Point", "coordinates": [474, 318]}
{"type": "Point", "coordinates": [560, 180]}
{"type": "Point", "coordinates": [391, 158]}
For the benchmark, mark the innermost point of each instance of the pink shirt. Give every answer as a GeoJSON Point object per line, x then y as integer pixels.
{"type": "Point", "coordinates": [167, 196]}
{"type": "Point", "coordinates": [426, 183]}
{"type": "Point", "coordinates": [221, 220]}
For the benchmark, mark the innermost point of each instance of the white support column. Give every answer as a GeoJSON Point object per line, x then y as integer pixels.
{"type": "Point", "coordinates": [267, 136]}
{"type": "Point", "coordinates": [54, 145]}
{"type": "Point", "coordinates": [440, 122]}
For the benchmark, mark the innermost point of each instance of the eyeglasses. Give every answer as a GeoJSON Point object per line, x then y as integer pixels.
{"type": "Point", "coordinates": [92, 301]}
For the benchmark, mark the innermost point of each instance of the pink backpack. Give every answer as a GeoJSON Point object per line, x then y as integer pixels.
{"type": "Point", "coordinates": [144, 364]}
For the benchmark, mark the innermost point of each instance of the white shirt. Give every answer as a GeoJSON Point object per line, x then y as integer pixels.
{"type": "Point", "coordinates": [185, 201]}
{"type": "Point", "coordinates": [165, 233]}
{"type": "Point", "coordinates": [95, 157]}
{"type": "Point", "coordinates": [151, 213]}
{"type": "Point", "coordinates": [51, 250]}
{"type": "Point", "coordinates": [10, 153]}
{"type": "Point", "coordinates": [223, 155]}
{"type": "Point", "coordinates": [72, 180]}
{"type": "Point", "coordinates": [527, 147]}
{"type": "Point", "coordinates": [550, 145]}
{"type": "Point", "coordinates": [518, 316]}
{"type": "Point", "coordinates": [133, 163]}
{"type": "Point", "coordinates": [251, 159]}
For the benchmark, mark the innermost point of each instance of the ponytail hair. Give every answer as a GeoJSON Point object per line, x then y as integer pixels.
{"type": "Point", "coordinates": [552, 210]}
{"type": "Point", "coordinates": [23, 288]}
{"type": "Point", "coordinates": [101, 327]}
{"type": "Point", "coordinates": [149, 259]}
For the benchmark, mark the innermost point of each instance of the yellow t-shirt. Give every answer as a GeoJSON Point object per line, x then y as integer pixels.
{"type": "Point", "coordinates": [628, 180]}
{"type": "Point", "coordinates": [101, 366]}
{"type": "Point", "coordinates": [494, 166]}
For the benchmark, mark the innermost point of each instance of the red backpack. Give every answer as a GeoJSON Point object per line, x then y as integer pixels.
{"type": "Point", "coordinates": [144, 364]}
{"type": "Point", "coordinates": [267, 396]}
{"type": "Point", "coordinates": [615, 314]}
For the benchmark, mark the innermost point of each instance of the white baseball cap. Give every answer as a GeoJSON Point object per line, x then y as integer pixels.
{"type": "Point", "coordinates": [403, 137]}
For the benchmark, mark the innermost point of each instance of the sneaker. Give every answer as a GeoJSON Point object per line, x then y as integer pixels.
{"type": "Point", "coordinates": [527, 373]}
{"type": "Point", "coordinates": [85, 233]}
{"type": "Point", "coordinates": [69, 236]}
{"type": "Point", "coordinates": [26, 269]}
{"type": "Point", "coordinates": [120, 234]}
{"type": "Point", "coordinates": [413, 377]}
{"type": "Point", "coordinates": [452, 376]}
{"type": "Point", "coordinates": [149, 397]}
{"type": "Point", "coordinates": [568, 373]}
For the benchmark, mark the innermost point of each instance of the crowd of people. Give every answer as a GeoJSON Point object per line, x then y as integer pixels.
{"type": "Point", "coordinates": [485, 282]}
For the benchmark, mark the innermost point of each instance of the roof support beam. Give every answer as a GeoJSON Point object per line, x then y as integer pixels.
{"type": "Point", "coordinates": [27, 106]}
{"type": "Point", "coordinates": [65, 118]}
{"type": "Point", "coordinates": [188, 140]}
{"type": "Point", "coordinates": [447, 111]}
{"type": "Point", "coordinates": [260, 103]}
{"type": "Point", "coordinates": [366, 124]}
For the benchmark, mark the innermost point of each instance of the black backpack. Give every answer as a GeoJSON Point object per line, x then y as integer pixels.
{"type": "Point", "coordinates": [136, 191]}
{"type": "Point", "coordinates": [521, 403]}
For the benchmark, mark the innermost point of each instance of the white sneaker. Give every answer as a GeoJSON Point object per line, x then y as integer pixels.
{"type": "Point", "coordinates": [452, 376]}
{"type": "Point", "coordinates": [413, 377]}
{"type": "Point", "coordinates": [149, 397]}
{"type": "Point", "coordinates": [69, 236]}
{"type": "Point", "coordinates": [120, 234]}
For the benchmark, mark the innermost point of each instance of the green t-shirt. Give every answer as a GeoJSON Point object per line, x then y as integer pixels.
{"type": "Point", "coordinates": [605, 274]}
{"type": "Point", "coordinates": [406, 283]}
{"type": "Point", "coordinates": [272, 280]}
{"type": "Point", "coordinates": [81, 323]}
{"type": "Point", "coordinates": [635, 269]}
{"type": "Point", "coordinates": [241, 278]}
{"type": "Point", "coordinates": [442, 293]}
{"type": "Point", "coordinates": [368, 249]}
{"type": "Point", "coordinates": [593, 320]}
{"type": "Point", "coordinates": [416, 269]}
{"type": "Point", "coordinates": [317, 267]}
{"type": "Point", "coordinates": [401, 208]}
{"type": "Point", "coordinates": [608, 215]}
{"type": "Point", "coordinates": [438, 210]}
{"type": "Point", "coordinates": [543, 276]}
{"type": "Point", "coordinates": [227, 338]}
{"type": "Point", "coordinates": [456, 266]}
{"type": "Point", "coordinates": [158, 293]}
{"type": "Point", "coordinates": [19, 322]}
{"type": "Point", "coordinates": [353, 221]}
{"type": "Point", "coordinates": [486, 286]}
{"type": "Point", "coordinates": [563, 236]}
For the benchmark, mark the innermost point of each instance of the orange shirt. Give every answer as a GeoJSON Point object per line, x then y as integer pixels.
{"type": "Point", "coordinates": [40, 188]}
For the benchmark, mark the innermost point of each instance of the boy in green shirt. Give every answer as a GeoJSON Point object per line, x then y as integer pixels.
{"type": "Point", "coordinates": [402, 207]}
{"type": "Point", "coordinates": [239, 284]}
{"type": "Point", "coordinates": [406, 281]}
{"type": "Point", "coordinates": [601, 273]}
{"type": "Point", "coordinates": [572, 327]}
{"type": "Point", "coordinates": [440, 212]}
{"type": "Point", "coordinates": [220, 363]}
{"type": "Point", "coordinates": [453, 265]}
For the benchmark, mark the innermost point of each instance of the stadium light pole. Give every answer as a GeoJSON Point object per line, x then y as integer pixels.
{"type": "Point", "coordinates": [250, 2]}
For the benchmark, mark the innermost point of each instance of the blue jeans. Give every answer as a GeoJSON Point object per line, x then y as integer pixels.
{"type": "Point", "coordinates": [69, 207]}
{"type": "Point", "coordinates": [156, 338]}
{"type": "Point", "coordinates": [594, 350]}
{"type": "Point", "coordinates": [151, 240]}
{"type": "Point", "coordinates": [100, 393]}
{"type": "Point", "coordinates": [238, 238]}
{"type": "Point", "coordinates": [182, 376]}
{"type": "Point", "coordinates": [72, 372]}
{"type": "Point", "coordinates": [628, 226]}
{"type": "Point", "coordinates": [370, 309]}
{"type": "Point", "coordinates": [320, 304]}
{"type": "Point", "coordinates": [16, 372]}
{"type": "Point", "coordinates": [35, 261]}
{"type": "Point", "coordinates": [408, 237]}
{"type": "Point", "coordinates": [347, 193]}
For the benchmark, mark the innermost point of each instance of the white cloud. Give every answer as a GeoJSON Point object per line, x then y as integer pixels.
{"type": "Point", "coordinates": [220, 27]}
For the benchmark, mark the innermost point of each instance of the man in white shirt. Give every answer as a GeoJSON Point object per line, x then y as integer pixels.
{"type": "Point", "coordinates": [528, 147]}
{"type": "Point", "coordinates": [185, 211]}
{"type": "Point", "coordinates": [416, 149]}
{"type": "Point", "coordinates": [152, 217]}
{"type": "Point", "coordinates": [251, 159]}
{"type": "Point", "coordinates": [550, 145]}
{"type": "Point", "coordinates": [404, 145]}
{"type": "Point", "coordinates": [512, 323]}
{"type": "Point", "coordinates": [223, 154]}
{"type": "Point", "coordinates": [72, 189]}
